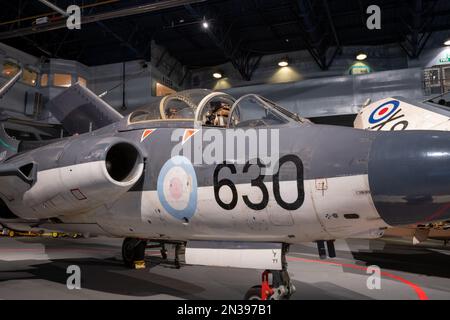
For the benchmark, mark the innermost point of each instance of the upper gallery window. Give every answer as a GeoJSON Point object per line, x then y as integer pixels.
{"type": "Point", "coordinates": [62, 80]}
{"type": "Point", "coordinates": [82, 81]}
{"type": "Point", "coordinates": [30, 77]}
{"type": "Point", "coordinates": [10, 69]}
{"type": "Point", "coordinates": [44, 80]}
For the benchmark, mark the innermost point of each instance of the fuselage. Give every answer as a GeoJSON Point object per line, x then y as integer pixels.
{"type": "Point", "coordinates": [332, 182]}
{"type": "Point", "coordinates": [321, 192]}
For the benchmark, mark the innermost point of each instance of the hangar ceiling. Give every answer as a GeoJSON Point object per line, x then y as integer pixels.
{"type": "Point", "coordinates": [239, 31]}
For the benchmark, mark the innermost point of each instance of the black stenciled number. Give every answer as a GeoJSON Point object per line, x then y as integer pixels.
{"type": "Point", "coordinates": [300, 190]}
{"type": "Point", "coordinates": [258, 182]}
{"type": "Point", "coordinates": [225, 182]}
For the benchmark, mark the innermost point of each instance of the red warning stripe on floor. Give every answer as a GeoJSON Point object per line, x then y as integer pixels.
{"type": "Point", "coordinates": [417, 289]}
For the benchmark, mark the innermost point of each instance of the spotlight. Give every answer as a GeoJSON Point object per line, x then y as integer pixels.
{"type": "Point", "coordinates": [205, 24]}
{"type": "Point", "coordinates": [447, 43]}
{"type": "Point", "coordinates": [217, 75]}
{"type": "Point", "coordinates": [361, 57]}
{"type": "Point", "coordinates": [283, 63]}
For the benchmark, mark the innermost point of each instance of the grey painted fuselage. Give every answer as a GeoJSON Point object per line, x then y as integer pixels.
{"type": "Point", "coordinates": [354, 183]}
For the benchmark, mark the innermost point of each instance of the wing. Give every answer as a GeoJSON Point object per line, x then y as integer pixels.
{"type": "Point", "coordinates": [80, 110]}
{"type": "Point", "coordinates": [16, 179]}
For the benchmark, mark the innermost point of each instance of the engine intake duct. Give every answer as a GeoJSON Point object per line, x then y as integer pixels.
{"type": "Point", "coordinates": [85, 178]}
{"type": "Point", "coordinates": [121, 162]}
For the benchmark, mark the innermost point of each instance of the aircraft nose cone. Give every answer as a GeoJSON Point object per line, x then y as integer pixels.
{"type": "Point", "coordinates": [409, 176]}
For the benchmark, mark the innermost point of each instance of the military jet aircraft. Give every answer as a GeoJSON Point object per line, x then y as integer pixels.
{"type": "Point", "coordinates": [176, 173]}
{"type": "Point", "coordinates": [398, 114]}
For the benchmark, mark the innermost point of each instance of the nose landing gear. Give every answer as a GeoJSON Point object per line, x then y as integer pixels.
{"type": "Point", "coordinates": [133, 253]}
{"type": "Point", "coordinates": [281, 287]}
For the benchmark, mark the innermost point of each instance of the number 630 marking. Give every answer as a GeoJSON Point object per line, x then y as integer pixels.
{"type": "Point", "coordinates": [259, 183]}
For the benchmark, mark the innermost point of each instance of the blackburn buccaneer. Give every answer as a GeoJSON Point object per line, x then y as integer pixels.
{"type": "Point", "coordinates": [229, 182]}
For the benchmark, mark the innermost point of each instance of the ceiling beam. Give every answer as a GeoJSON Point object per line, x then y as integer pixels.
{"type": "Point", "coordinates": [195, 44]}
{"type": "Point", "coordinates": [245, 62]}
{"type": "Point", "coordinates": [151, 7]}
{"type": "Point", "coordinates": [54, 7]}
{"type": "Point", "coordinates": [331, 23]}
{"type": "Point", "coordinates": [312, 33]}
{"type": "Point", "coordinates": [418, 32]}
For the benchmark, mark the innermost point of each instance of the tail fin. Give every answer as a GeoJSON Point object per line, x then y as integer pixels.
{"type": "Point", "coordinates": [8, 145]}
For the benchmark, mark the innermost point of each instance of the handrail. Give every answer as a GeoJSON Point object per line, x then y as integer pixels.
{"type": "Point", "coordinates": [5, 88]}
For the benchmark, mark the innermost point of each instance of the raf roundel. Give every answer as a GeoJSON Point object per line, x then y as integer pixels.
{"type": "Point", "coordinates": [177, 188]}
{"type": "Point", "coordinates": [384, 111]}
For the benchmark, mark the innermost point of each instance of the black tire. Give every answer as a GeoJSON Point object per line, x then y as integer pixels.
{"type": "Point", "coordinates": [254, 293]}
{"type": "Point", "coordinates": [133, 250]}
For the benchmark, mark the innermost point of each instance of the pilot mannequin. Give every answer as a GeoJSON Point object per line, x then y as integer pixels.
{"type": "Point", "coordinates": [172, 113]}
{"type": "Point", "coordinates": [217, 115]}
{"type": "Point", "coordinates": [222, 114]}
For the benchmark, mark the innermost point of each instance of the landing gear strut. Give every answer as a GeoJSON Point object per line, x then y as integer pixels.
{"type": "Point", "coordinates": [281, 287]}
{"type": "Point", "coordinates": [178, 254]}
{"type": "Point", "coordinates": [163, 251]}
{"type": "Point", "coordinates": [161, 246]}
{"type": "Point", "coordinates": [133, 252]}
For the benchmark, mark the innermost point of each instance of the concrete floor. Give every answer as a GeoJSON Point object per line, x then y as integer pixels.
{"type": "Point", "coordinates": [33, 268]}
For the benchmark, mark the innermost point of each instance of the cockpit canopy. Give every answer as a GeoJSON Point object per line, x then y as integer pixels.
{"type": "Point", "coordinates": [216, 109]}
{"type": "Point", "coordinates": [211, 108]}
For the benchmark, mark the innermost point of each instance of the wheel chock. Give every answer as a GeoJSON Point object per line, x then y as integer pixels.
{"type": "Point", "coordinates": [140, 264]}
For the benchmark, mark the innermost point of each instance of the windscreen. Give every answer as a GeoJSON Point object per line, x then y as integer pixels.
{"type": "Point", "coordinates": [251, 111]}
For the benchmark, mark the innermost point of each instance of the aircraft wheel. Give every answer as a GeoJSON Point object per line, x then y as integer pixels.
{"type": "Point", "coordinates": [254, 293]}
{"type": "Point", "coordinates": [133, 250]}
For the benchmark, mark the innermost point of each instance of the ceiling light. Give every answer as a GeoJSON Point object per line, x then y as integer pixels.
{"type": "Point", "coordinates": [205, 24]}
{"type": "Point", "coordinates": [361, 57]}
{"type": "Point", "coordinates": [217, 75]}
{"type": "Point", "coordinates": [283, 63]}
{"type": "Point", "coordinates": [447, 43]}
